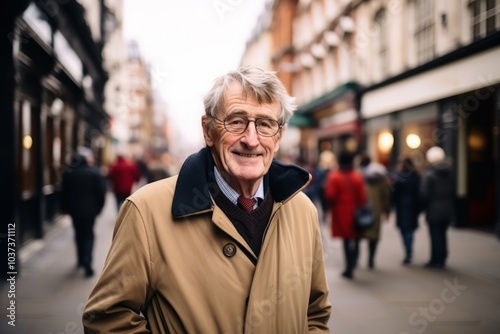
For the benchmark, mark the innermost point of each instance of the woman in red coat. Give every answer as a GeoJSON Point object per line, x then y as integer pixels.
{"type": "Point", "coordinates": [123, 174]}
{"type": "Point", "coordinates": [345, 191]}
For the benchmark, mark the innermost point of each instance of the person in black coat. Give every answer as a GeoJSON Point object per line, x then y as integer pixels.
{"type": "Point", "coordinates": [437, 193]}
{"type": "Point", "coordinates": [82, 197]}
{"type": "Point", "coordinates": [406, 201]}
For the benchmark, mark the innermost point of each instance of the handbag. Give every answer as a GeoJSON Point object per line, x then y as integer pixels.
{"type": "Point", "coordinates": [363, 217]}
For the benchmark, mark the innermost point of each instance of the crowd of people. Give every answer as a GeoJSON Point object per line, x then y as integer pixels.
{"type": "Point", "coordinates": [355, 181]}
{"type": "Point", "coordinates": [338, 187]}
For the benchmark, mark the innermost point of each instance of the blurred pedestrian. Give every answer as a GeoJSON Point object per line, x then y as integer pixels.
{"type": "Point", "coordinates": [169, 163]}
{"type": "Point", "coordinates": [143, 166]}
{"type": "Point", "coordinates": [83, 197]}
{"type": "Point", "coordinates": [406, 201]}
{"type": "Point", "coordinates": [379, 197]}
{"type": "Point", "coordinates": [437, 195]}
{"type": "Point", "coordinates": [229, 245]}
{"type": "Point", "coordinates": [345, 192]}
{"type": "Point", "coordinates": [123, 174]}
{"type": "Point", "coordinates": [327, 163]}
{"type": "Point", "coordinates": [157, 170]}
{"type": "Point", "coordinates": [319, 170]}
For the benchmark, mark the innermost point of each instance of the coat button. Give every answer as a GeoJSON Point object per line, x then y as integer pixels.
{"type": "Point", "coordinates": [229, 250]}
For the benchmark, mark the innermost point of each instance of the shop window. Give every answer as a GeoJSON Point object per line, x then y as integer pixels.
{"type": "Point", "coordinates": [64, 158]}
{"type": "Point", "coordinates": [53, 151]}
{"type": "Point", "coordinates": [484, 17]}
{"type": "Point", "coordinates": [27, 148]}
{"type": "Point", "coordinates": [416, 139]}
{"type": "Point", "coordinates": [48, 151]}
{"type": "Point", "coordinates": [56, 156]}
{"type": "Point", "coordinates": [481, 163]}
{"type": "Point", "coordinates": [384, 146]}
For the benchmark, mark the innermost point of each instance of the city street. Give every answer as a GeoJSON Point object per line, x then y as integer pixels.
{"type": "Point", "coordinates": [391, 299]}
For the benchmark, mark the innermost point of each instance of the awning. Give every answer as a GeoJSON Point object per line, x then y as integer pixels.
{"type": "Point", "coordinates": [304, 115]}
{"type": "Point", "coordinates": [327, 98]}
{"type": "Point", "coordinates": [302, 121]}
{"type": "Point", "coordinates": [338, 129]}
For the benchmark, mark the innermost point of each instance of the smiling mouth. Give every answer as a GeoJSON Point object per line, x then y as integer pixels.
{"type": "Point", "coordinates": [247, 155]}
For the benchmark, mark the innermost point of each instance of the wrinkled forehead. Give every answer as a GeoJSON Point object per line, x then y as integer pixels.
{"type": "Point", "coordinates": [236, 91]}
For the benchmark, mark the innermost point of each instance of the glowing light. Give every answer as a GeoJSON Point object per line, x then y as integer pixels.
{"type": "Point", "coordinates": [27, 142]}
{"type": "Point", "coordinates": [385, 142]}
{"type": "Point", "coordinates": [413, 141]}
{"type": "Point", "coordinates": [476, 141]}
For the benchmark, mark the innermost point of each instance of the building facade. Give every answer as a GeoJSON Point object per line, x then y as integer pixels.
{"type": "Point", "coordinates": [258, 49]}
{"type": "Point", "coordinates": [435, 82]}
{"type": "Point", "coordinates": [325, 78]}
{"type": "Point", "coordinates": [395, 77]}
{"type": "Point", "coordinates": [52, 103]}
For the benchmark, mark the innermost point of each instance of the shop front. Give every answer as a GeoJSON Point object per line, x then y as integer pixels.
{"type": "Point", "coordinates": [456, 106]}
{"type": "Point", "coordinates": [406, 133]}
{"type": "Point", "coordinates": [330, 122]}
{"type": "Point", "coordinates": [477, 118]}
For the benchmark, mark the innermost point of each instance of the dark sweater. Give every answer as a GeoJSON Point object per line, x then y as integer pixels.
{"type": "Point", "coordinates": [251, 226]}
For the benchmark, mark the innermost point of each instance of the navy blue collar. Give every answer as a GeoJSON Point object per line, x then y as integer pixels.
{"type": "Point", "coordinates": [196, 181]}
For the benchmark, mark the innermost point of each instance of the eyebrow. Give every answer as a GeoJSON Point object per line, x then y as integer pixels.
{"type": "Point", "coordinates": [245, 113]}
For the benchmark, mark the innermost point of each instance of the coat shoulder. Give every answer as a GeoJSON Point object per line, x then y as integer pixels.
{"type": "Point", "coordinates": [161, 191]}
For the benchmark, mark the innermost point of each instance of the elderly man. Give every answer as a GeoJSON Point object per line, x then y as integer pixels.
{"type": "Point", "coordinates": [231, 244]}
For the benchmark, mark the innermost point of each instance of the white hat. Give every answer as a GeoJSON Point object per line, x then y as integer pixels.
{"type": "Point", "coordinates": [435, 154]}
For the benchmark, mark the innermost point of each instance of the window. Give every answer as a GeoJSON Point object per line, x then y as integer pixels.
{"type": "Point", "coordinates": [424, 30]}
{"type": "Point", "coordinates": [381, 42]}
{"type": "Point", "coordinates": [485, 17]}
{"type": "Point", "coordinates": [346, 58]}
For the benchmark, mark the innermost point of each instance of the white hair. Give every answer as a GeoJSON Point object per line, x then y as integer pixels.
{"type": "Point", "coordinates": [85, 151]}
{"type": "Point", "coordinates": [264, 86]}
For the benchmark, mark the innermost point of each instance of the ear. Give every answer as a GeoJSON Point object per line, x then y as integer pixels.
{"type": "Point", "coordinates": [207, 135]}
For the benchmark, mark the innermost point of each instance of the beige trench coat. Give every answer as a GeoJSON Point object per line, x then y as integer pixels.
{"type": "Point", "coordinates": [196, 274]}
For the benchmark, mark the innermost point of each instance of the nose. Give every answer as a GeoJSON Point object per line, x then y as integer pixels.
{"type": "Point", "coordinates": [250, 137]}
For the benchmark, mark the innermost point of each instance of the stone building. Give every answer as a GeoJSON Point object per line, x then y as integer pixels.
{"type": "Point", "coordinates": [395, 77]}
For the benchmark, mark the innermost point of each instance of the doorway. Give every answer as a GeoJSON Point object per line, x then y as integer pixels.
{"type": "Point", "coordinates": [481, 162]}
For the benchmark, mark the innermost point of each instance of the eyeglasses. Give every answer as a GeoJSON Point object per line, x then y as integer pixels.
{"type": "Point", "coordinates": [237, 124]}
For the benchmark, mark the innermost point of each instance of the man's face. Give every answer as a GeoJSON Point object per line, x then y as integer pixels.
{"type": "Point", "coordinates": [244, 158]}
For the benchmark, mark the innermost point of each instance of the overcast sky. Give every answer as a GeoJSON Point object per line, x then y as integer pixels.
{"type": "Point", "coordinates": [188, 43]}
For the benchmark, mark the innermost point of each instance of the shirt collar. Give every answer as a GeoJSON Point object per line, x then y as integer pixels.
{"type": "Point", "coordinates": [231, 194]}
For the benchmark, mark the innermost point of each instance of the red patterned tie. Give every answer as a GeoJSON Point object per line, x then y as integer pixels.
{"type": "Point", "coordinates": [246, 203]}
